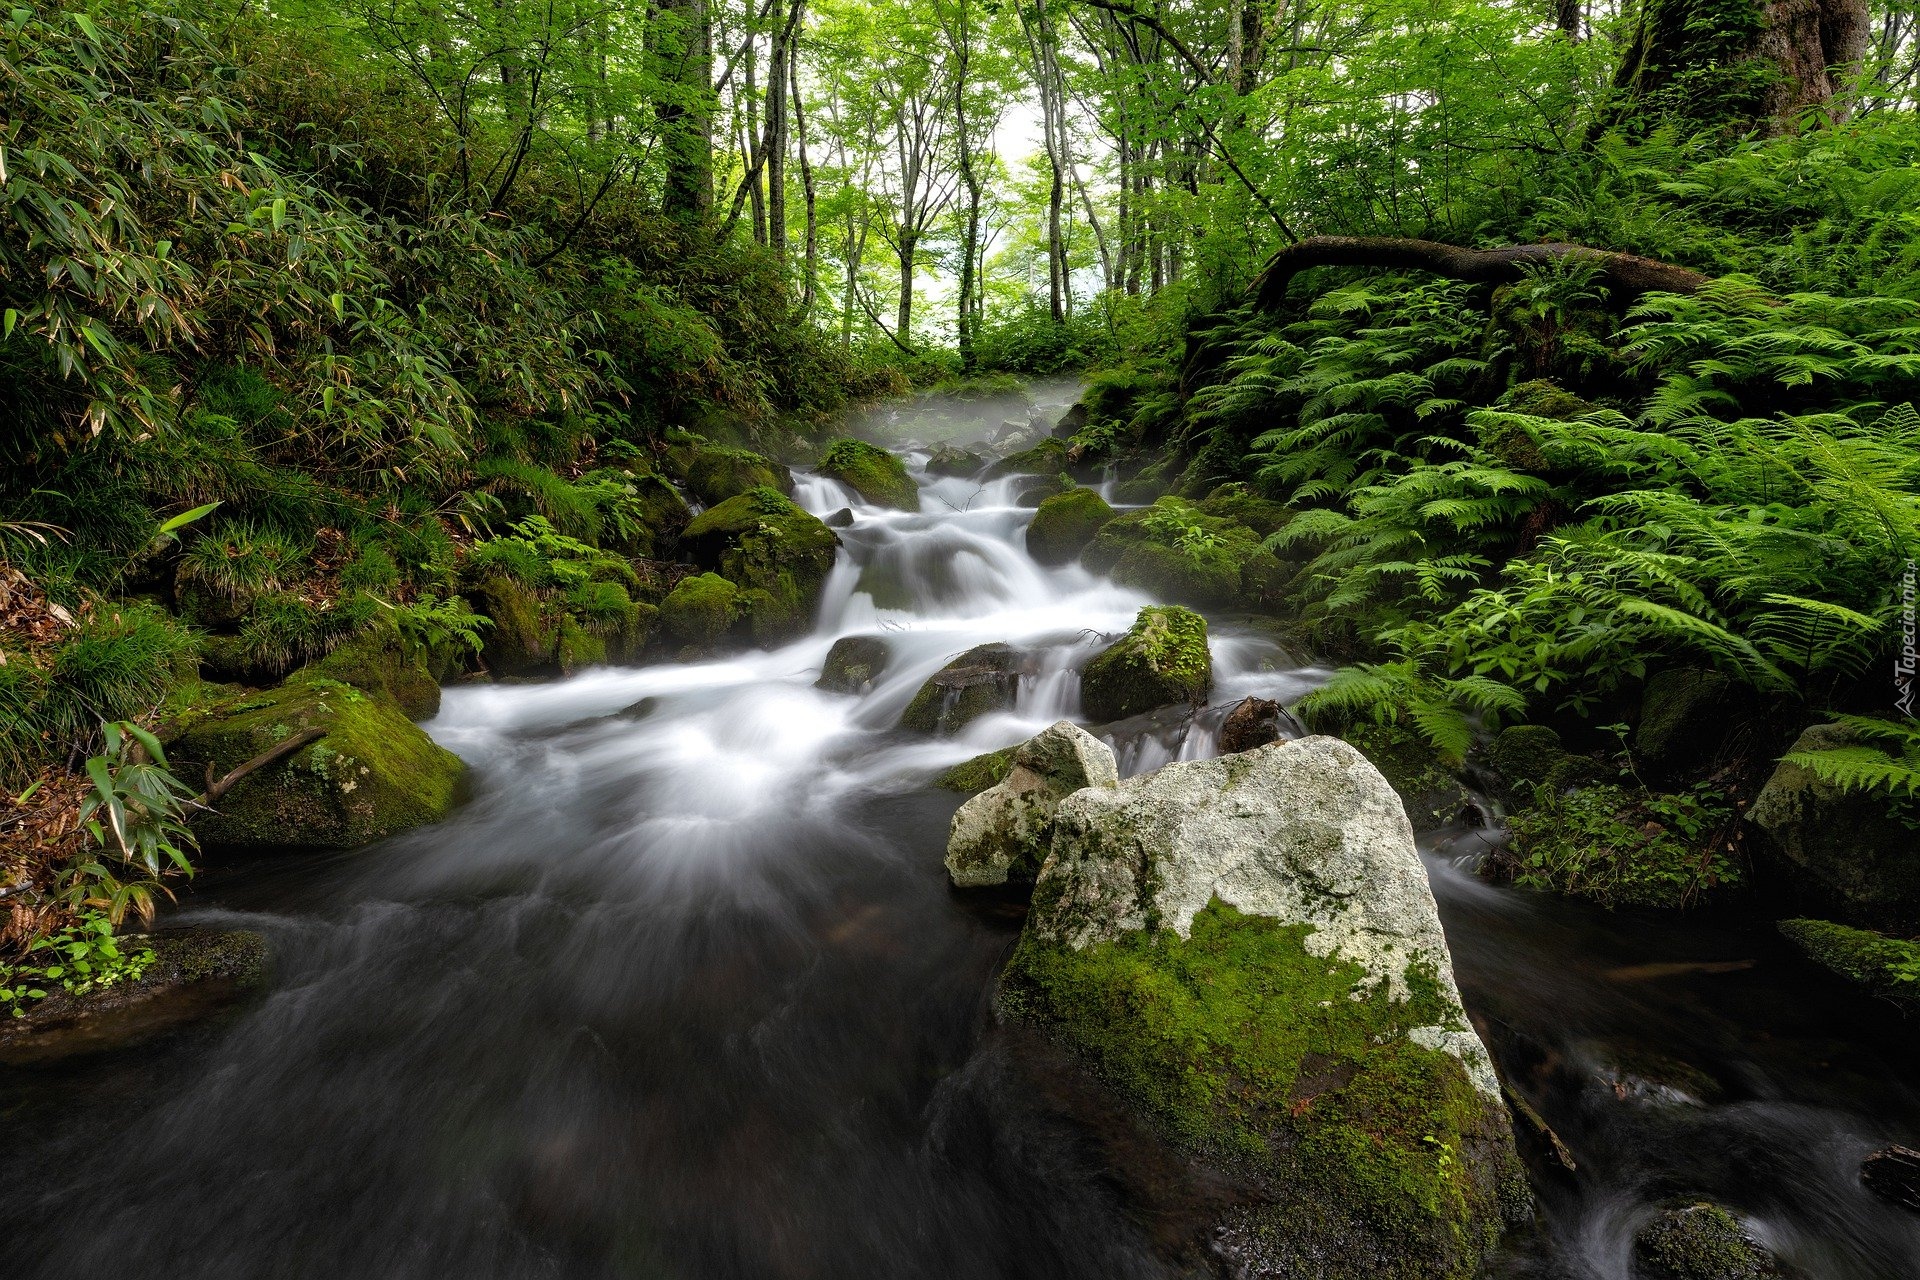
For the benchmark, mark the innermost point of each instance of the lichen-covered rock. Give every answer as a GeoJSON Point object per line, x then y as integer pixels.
{"type": "Point", "coordinates": [762, 543]}
{"type": "Point", "coordinates": [1699, 1242]}
{"type": "Point", "coordinates": [371, 775]}
{"type": "Point", "coordinates": [700, 610]}
{"type": "Point", "coordinates": [1246, 951]}
{"type": "Point", "coordinates": [1684, 718]}
{"type": "Point", "coordinates": [1161, 661]}
{"type": "Point", "coordinates": [977, 774]}
{"type": "Point", "coordinates": [193, 972]}
{"type": "Point", "coordinates": [871, 472]}
{"type": "Point", "coordinates": [1849, 848]}
{"type": "Point", "coordinates": [984, 679]}
{"type": "Point", "coordinates": [1065, 523]}
{"type": "Point", "coordinates": [853, 664]}
{"type": "Point", "coordinates": [1253, 722]}
{"type": "Point", "coordinates": [1886, 966]}
{"type": "Point", "coordinates": [1433, 794]}
{"type": "Point", "coordinates": [1003, 833]}
{"type": "Point", "coordinates": [714, 474]}
{"type": "Point", "coordinates": [947, 460]}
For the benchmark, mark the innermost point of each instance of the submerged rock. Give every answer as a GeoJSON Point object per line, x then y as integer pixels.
{"type": "Point", "coordinates": [1163, 660]}
{"type": "Point", "coordinates": [981, 680]}
{"type": "Point", "coordinates": [853, 664]}
{"type": "Point", "coordinates": [371, 773]}
{"type": "Point", "coordinates": [1003, 833]}
{"type": "Point", "coordinates": [1065, 523]}
{"type": "Point", "coordinates": [871, 472]}
{"type": "Point", "coordinates": [1849, 847]}
{"type": "Point", "coordinates": [1699, 1242]}
{"type": "Point", "coordinates": [1246, 951]}
{"type": "Point", "coordinates": [777, 554]}
{"type": "Point", "coordinates": [192, 973]}
{"type": "Point", "coordinates": [1253, 722]}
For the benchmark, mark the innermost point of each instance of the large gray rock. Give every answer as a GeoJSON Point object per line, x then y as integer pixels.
{"type": "Point", "coordinates": [1003, 832]}
{"type": "Point", "coordinates": [1245, 949]}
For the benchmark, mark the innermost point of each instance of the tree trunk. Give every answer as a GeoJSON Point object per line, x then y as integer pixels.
{"type": "Point", "coordinates": [777, 133]}
{"type": "Point", "coordinates": [810, 263]}
{"type": "Point", "coordinates": [682, 48]}
{"type": "Point", "coordinates": [903, 322]}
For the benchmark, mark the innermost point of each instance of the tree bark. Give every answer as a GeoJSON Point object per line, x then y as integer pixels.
{"type": "Point", "coordinates": [1624, 273]}
{"type": "Point", "coordinates": [683, 59]}
{"type": "Point", "coordinates": [810, 262]}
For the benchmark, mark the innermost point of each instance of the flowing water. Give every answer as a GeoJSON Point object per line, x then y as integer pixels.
{"type": "Point", "coordinates": [682, 993]}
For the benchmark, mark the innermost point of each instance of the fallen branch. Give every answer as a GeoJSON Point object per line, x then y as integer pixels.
{"type": "Point", "coordinates": [279, 750]}
{"type": "Point", "coordinates": [1624, 273]}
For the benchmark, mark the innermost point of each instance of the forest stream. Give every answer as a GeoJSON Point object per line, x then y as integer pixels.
{"type": "Point", "coordinates": [683, 991]}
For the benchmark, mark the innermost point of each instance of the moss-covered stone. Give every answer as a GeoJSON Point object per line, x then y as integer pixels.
{"type": "Point", "coordinates": [1178, 552]}
{"type": "Point", "coordinates": [1047, 458]}
{"type": "Point", "coordinates": [371, 775]}
{"type": "Point", "coordinates": [1526, 757]}
{"type": "Point", "coordinates": [853, 664]}
{"type": "Point", "coordinates": [525, 635]}
{"type": "Point", "coordinates": [1162, 660]}
{"type": "Point", "coordinates": [381, 662]}
{"type": "Point", "coordinates": [1433, 795]}
{"type": "Point", "coordinates": [714, 475]}
{"type": "Point", "coordinates": [1885, 966]}
{"type": "Point", "coordinates": [762, 543]}
{"type": "Point", "coordinates": [982, 680]}
{"type": "Point", "coordinates": [1685, 713]}
{"type": "Point", "coordinates": [1065, 523]}
{"type": "Point", "coordinates": [977, 774]}
{"type": "Point", "coordinates": [700, 610]}
{"type": "Point", "coordinates": [1238, 503]}
{"type": "Point", "coordinates": [871, 472]}
{"type": "Point", "coordinates": [1374, 1155]}
{"type": "Point", "coordinates": [1850, 849]}
{"type": "Point", "coordinates": [666, 514]}
{"type": "Point", "coordinates": [1699, 1242]}
{"type": "Point", "coordinates": [193, 972]}
{"type": "Point", "coordinates": [948, 460]}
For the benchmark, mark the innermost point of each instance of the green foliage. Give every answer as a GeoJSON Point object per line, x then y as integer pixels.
{"type": "Point", "coordinates": [1889, 966]}
{"type": "Point", "coordinates": [1886, 762]}
{"type": "Point", "coordinates": [1624, 847]}
{"type": "Point", "coordinates": [79, 957]}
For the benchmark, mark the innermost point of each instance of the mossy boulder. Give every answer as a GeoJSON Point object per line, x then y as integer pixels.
{"type": "Point", "coordinates": [977, 774]}
{"type": "Point", "coordinates": [772, 550]}
{"type": "Point", "coordinates": [1850, 849]}
{"type": "Point", "coordinates": [1238, 503]}
{"type": "Point", "coordinates": [1886, 966]}
{"type": "Point", "coordinates": [192, 973]}
{"type": "Point", "coordinates": [700, 611]}
{"type": "Point", "coordinates": [1526, 757]}
{"type": "Point", "coordinates": [371, 774]}
{"type": "Point", "coordinates": [1245, 952]}
{"type": "Point", "coordinates": [666, 513]}
{"type": "Point", "coordinates": [381, 662]}
{"type": "Point", "coordinates": [1699, 1242]}
{"type": "Point", "coordinates": [714, 475]}
{"type": "Point", "coordinates": [871, 472]}
{"type": "Point", "coordinates": [1161, 661]}
{"type": "Point", "coordinates": [1178, 552]}
{"type": "Point", "coordinates": [1685, 713]}
{"type": "Point", "coordinates": [525, 635]}
{"type": "Point", "coordinates": [982, 680]}
{"type": "Point", "coordinates": [1047, 458]}
{"type": "Point", "coordinates": [853, 664]}
{"type": "Point", "coordinates": [1433, 794]}
{"type": "Point", "coordinates": [1004, 832]}
{"type": "Point", "coordinates": [948, 460]}
{"type": "Point", "coordinates": [1066, 523]}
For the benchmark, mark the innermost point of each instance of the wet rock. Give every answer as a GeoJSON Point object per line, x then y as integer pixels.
{"type": "Point", "coordinates": [1873, 960]}
{"type": "Point", "coordinates": [1065, 523]}
{"type": "Point", "coordinates": [1699, 1242]}
{"type": "Point", "coordinates": [1245, 949]}
{"type": "Point", "coordinates": [1893, 1173]}
{"type": "Point", "coordinates": [983, 679]}
{"type": "Point", "coordinates": [946, 460]}
{"type": "Point", "coordinates": [853, 664]}
{"type": "Point", "coordinates": [1849, 848]}
{"type": "Point", "coordinates": [979, 773]}
{"type": "Point", "coordinates": [1003, 833]}
{"type": "Point", "coordinates": [371, 773]}
{"type": "Point", "coordinates": [871, 472]}
{"type": "Point", "coordinates": [714, 475]}
{"type": "Point", "coordinates": [1685, 713]}
{"type": "Point", "coordinates": [1161, 661]}
{"type": "Point", "coordinates": [778, 555]}
{"type": "Point", "coordinates": [1253, 722]}
{"type": "Point", "coordinates": [1070, 422]}
{"type": "Point", "coordinates": [193, 973]}
{"type": "Point", "coordinates": [840, 519]}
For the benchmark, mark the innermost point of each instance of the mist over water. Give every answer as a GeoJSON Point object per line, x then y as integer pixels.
{"type": "Point", "coordinates": [682, 993]}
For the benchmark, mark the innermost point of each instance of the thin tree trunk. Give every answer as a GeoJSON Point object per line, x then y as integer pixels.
{"type": "Point", "coordinates": [810, 266]}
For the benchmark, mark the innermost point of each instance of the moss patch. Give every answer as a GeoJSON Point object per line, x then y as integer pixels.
{"type": "Point", "coordinates": [982, 680]}
{"type": "Point", "coordinates": [1886, 966]}
{"type": "Point", "coordinates": [380, 662]}
{"type": "Point", "coordinates": [1180, 552]}
{"type": "Point", "coordinates": [979, 773]}
{"type": "Point", "coordinates": [1293, 1073]}
{"type": "Point", "coordinates": [872, 472]}
{"type": "Point", "coordinates": [700, 610]}
{"type": "Point", "coordinates": [1161, 661]}
{"type": "Point", "coordinates": [1699, 1242]}
{"type": "Point", "coordinates": [713, 474]}
{"type": "Point", "coordinates": [373, 773]}
{"type": "Point", "coordinates": [1065, 523]}
{"type": "Point", "coordinates": [762, 543]}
